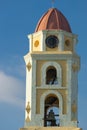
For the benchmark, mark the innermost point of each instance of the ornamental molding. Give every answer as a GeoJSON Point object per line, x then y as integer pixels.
{"type": "Point", "coordinates": [74, 108]}
{"type": "Point", "coordinates": [29, 66]}
{"type": "Point", "coordinates": [28, 111]}
{"type": "Point", "coordinates": [75, 67]}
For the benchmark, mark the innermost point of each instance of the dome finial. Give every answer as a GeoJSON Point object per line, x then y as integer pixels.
{"type": "Point", "coordinates": [53, 1]}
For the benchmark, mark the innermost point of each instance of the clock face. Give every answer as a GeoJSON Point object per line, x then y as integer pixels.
{"type": "Point", "coordinates": [52, 41]}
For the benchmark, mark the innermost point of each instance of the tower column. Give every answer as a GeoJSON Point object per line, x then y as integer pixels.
{"type": "Point", "coordinates": [43, 37]}
{"type": "Point", "coordinates": [69, 85]}
{"type": "Point", "coordinates": [61, 39]}
{"type": "Point", "coordinates": [30, 37]}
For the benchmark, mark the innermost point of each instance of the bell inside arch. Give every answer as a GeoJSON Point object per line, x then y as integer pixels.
{"type": "Point", "coordinates": [51, 115]}
{"type": "Point", "coordinates": [51, 76]}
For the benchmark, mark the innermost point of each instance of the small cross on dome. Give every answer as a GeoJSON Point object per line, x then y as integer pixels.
{"type": "Point", "coordinates": [53, 1]}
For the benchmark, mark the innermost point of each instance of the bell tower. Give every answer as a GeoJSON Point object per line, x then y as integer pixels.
{"type": "Point", "coordinates": [52, 66]}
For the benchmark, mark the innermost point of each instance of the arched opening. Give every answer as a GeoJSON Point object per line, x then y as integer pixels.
{"type": "Point", "coordinates": [51, 75]}
{"type": "Point", "coordinates": [51, 114]}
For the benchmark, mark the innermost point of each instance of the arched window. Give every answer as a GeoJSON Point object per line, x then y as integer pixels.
{"type": "Point", "coordinates": [51, 75]}
{"type": "Point", "coordinates": [51, 114]}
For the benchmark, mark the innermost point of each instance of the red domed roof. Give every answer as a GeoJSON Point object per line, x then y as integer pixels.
{"type": "Point", "coordinates": [53, 19]}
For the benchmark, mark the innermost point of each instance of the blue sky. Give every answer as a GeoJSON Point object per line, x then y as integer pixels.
{"type": "Point", "coordinates": [17, 20]}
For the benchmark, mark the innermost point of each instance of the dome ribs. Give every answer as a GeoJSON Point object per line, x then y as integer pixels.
{"type": "Point", "coordinates": [53, 19]}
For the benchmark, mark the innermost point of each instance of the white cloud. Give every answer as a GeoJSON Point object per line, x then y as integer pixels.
{"type": "Point", "coordinates": [11, 90]}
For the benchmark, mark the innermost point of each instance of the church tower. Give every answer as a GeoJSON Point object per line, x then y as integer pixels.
{"type": "Point", "coordinates": [52, 66]}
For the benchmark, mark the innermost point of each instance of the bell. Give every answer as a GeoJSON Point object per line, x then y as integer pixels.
{"type": "Point", "coordinates": [51, 115]}
{"type": "Point", "coordinates": [51, 118]}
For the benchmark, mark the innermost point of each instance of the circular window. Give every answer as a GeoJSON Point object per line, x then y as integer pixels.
{"type": "Point", "coordinates": [52, 41]}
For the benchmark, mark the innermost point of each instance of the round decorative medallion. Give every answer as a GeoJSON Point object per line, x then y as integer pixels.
{"type": "Point", "coordinates": [52, 41]}
{"type": "Point", "coordinates": [67, 43]}
{"type": "Point", "coordinates": [36, 43]}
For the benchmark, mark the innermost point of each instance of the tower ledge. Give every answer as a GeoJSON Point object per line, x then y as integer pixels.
{"type": "Point", "coordinates": [51, 128]}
